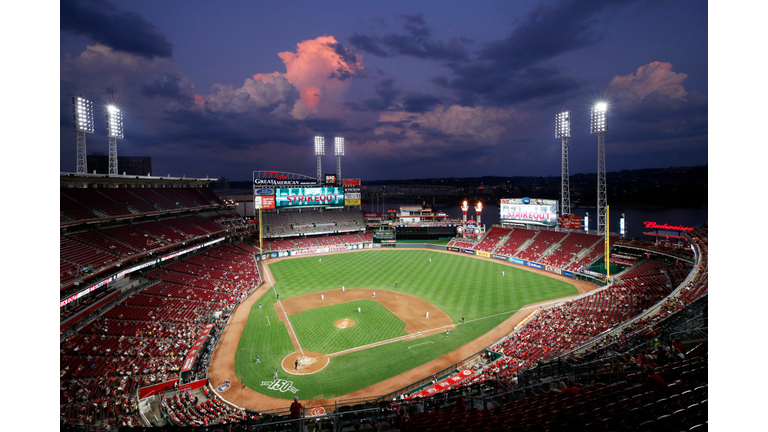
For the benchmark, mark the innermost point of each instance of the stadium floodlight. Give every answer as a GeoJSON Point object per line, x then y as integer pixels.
{"type": "Point", "coordinates": [598, 119]}
{"type": "Point", "coordinates": [563, 124]}
{"type": "Point", "coordinates": [319, 152]}
{"type": "Point", "coordinates": [114, 132]}
{"type": "Point", "coordinates": [599, 126]}
{"type": "Point", "coordinates": [338, 150]}
{"type": "Point", "coordinates": [563, 132]}
{"type": "Point", "coordinates": [82, 115]}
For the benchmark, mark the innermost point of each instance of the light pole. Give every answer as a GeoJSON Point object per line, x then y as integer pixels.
{"type": "Point", "coordinates": [319, 152]}
{"type": "Point", "coordinates": [338, 150]}
{"type": "Point", "coordinates": [599, 126]}
{"type": "Point", "coordinates": [563, 132]}
{"type": "Point", "coordinates": [114, 132]}
{"type": "Point", "coordinates": [82, 115]}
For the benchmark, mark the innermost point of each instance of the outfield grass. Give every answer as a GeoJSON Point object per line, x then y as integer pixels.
{"type": "Point", "coordinates": [316, 331]}
{"type": "Point", "coordinates": [461, 286]}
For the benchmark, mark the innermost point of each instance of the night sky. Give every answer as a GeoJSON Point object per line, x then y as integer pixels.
{"type": "Point", "coordinates": [418, 89]}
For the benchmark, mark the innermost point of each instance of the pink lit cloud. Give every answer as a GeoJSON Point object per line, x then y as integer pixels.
{"type": "Point", "coordinates": [653, 77]}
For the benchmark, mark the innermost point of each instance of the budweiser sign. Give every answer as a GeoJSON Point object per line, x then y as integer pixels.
{"type": "Point", "coordinates": [654, 225]}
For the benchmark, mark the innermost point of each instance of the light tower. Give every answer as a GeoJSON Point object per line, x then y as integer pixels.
{"type": "Point", "coordinates": [82, 114]}
{"type": "Point", "coordinates": [479, 211]}
{"type": "Point", "coordinates": [338, 150]}
{"type": "Point", "coordinates": [599, 126]}
{"type": "Point", "coordinates": [114, 132]}
{"type": "Point", "coordinates": [319, 152]}
{"type": "Point", "coordinates": [464, 208]}
{"type": "Point", "coordinates": [563, 132]}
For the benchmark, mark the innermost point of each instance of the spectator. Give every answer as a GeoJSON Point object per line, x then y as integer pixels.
{"type": "Point", "coordinates": [296, 408]}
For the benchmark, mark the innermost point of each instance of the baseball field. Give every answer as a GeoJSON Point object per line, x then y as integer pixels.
{"type": "Point", "coordinates": [377, 326]}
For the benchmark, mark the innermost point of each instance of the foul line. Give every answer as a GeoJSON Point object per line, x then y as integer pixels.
{"type": "Point", "coordinates": [420, 344]}
{"type": "Point", "coordinates": [284, 313]}
{"type": "Point", "coordinates": [268, 322]}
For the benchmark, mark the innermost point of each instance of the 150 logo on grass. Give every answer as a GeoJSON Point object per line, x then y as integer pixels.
{"type": "Point", "coordinates": [280, 385]}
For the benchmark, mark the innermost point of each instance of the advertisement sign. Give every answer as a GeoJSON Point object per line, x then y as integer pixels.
{"type": "Point", "coordinates": [352, 192]}
{"type": "Point", "coordinates": [532, 211]}
{"type": "Point", "coordinates": [195, 350]}
{"type": "Point", "coordinates": [483, 254]}
{"type": "Point", "coordinates": [263, 191]}
{"type": "Point", "coordinates": [257, 202]}
{"type": "Point", "coordinates": [443, 385]}
{"type": "Point", "coordinates": [309, 197]}
{"type": "Point", "coordinates": [271, 179]}
{"type": "Point", "coordinates": [497, 256]}
{"type": "Point", "coordinates": [570, 221]}
{"type": "Point", "coordinates": [468, 251]}
{"type": "Point", "coordinates": [534, 265]}
{"type": "Point", "coordinates": [372, 215]}
{"type": "Point", "coordinates": [553, 269]}
{"type": "Point", "coordinates": [567, 273]}
{"type": "Point", "coordinates": [268, 202]}
{"type": "Point", "coordinates": [517, 261]}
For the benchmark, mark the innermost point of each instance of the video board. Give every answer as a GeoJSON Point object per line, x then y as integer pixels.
{"type": "Point", "coordinates": [310, 197]}
{"type": "Point", "coordinates": [532, 211]}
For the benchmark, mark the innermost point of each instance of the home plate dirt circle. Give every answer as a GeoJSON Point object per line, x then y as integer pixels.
{"type": "Point", "coordinates": [311, 362]}
{"type": "Point", "coordinates": [344, 323]}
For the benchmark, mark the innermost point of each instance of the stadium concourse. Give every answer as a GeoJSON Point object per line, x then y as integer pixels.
{"type": "Point", "coordinates": [150, 275]}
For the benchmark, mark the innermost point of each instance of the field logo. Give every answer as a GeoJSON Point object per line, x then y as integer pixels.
{"type": "Point", "coordinates": [224, 387]}
{"type": "Point", "coordinates": [316, 411]}
{"type": "Point", "coordinates": [280, 385]}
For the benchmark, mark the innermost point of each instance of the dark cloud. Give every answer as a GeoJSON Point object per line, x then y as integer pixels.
{"type": "Point", "coordinates": [367, 44]}
{"type": "Point", "coordinates": [348, 57]}
{"type": "Point", "coordinates": [416, 42]}
{"type": "Point", "coordinates": [120, 30]}
{"type": "Point", "coordinates": [416, 25]}
{"type": "Point", "coordinates": [508, 71]}
{"type": "Point", "coordinates": [420, 103]}
{"type": "Point", "coordinates": [169, 86]}
{"type": "Point", "coordinates": [386, 92]}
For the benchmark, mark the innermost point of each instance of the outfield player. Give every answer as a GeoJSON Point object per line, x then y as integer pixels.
{"type": "Point", "coordinates": [275, 373]}
{"type": "Point", "coordinates": [358, 310]}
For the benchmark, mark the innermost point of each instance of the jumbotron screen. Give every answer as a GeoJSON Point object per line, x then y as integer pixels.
{"type": "Point", "coordinates": [533, 211]}
{"type": "Point", "coordinates": [310, 197]}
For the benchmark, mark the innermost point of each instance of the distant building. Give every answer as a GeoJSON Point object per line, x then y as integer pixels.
{"type": "Point", "coordinates": [130, 165]}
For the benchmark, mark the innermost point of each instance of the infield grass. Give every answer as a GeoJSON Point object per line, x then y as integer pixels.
{"type": "Point", "coordinates": [316, 330]}
{"type": "Point", "coordinates": [462, 286]}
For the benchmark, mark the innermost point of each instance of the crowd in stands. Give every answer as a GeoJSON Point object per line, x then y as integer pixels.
{"type": "Point", "coordinates": [292, 243]}
{"type": "Point", "coordinates": [144, 339]}
{"type": "Point", "coordinates": [308, 222]}
{"type": "Point", "coordinates": [85, 204]}
{"type": "Point", "coordinates": [92, 249]}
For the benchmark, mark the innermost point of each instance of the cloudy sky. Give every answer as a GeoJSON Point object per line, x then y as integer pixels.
{"type": "Point", "coordinates": [418, 89]}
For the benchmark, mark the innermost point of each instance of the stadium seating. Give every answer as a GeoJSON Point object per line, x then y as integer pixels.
{"type": "Point", "coordinates": [143, 340]}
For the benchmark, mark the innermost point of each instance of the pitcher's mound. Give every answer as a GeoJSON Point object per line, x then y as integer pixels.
{"type": "Point", "coordinates": [344, 323]}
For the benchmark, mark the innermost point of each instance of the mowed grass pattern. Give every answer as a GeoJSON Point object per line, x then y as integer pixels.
{"type": "Point", "coordinates": [316, 331]}
{"type": "Point", "coordinates": [460, 285]}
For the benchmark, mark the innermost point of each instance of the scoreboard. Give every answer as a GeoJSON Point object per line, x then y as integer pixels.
{"type": "Point", "coordinates": [310, 197]}
{"type": "Point", "coordinates": [531, 211]}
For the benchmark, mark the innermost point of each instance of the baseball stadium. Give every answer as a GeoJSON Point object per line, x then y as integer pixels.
{"type": "Point", "coordinates": [290, 307]}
